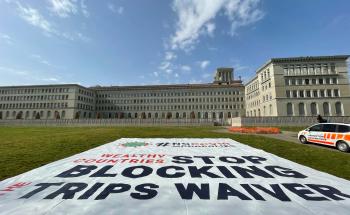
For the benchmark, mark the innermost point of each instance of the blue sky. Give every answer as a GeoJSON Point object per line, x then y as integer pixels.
{"type": "Point", "coordinates": [138, 42]}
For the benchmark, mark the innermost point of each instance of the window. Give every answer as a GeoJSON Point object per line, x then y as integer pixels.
{"type": "Point", "coordinates": [313, 81]}
{"type": "Point", "coordinates": [301, 94]}
{"type": "Point", "coordinates": [316, 128]}
{"type": "Point", "coordinates": [307, 81]}
{"type": "Point", "coordinates": [313, 109]}
{"type": "Point", "coordinates": [334, 80]}
{"type": "Point", "coordinates": [289, 109]}
{"type": "Point", "coordinates": [329, 128]}
{"type": "Point", "coordinates": [329, 93]}
{"type": "Point", "coordinates": [301, 109]}
{"type": "Point", "coordinates": [336, 93]}
{"type": "Point", "coordinates": [328, 80]}
{"type": "Point", "coordinates": [295, 94]}
{"type": "Point", "coordinates": [321, 93]}
{"type": "Point", "coordinates": [315, 94]}
{"type": "Point", "coordinates": [320, 81]}
{"type": "Point", "coordinates": [343, 129]}
{"type": "Point", "coordinates": [338, 109]}
{"type": "Point", "coordinates": [308, 93]}
{"type": "Point", "coordinates": [326, 108]}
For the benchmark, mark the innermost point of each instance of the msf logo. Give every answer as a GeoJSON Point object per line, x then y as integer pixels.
{"type": "Point", "coordinates": [134, 144]}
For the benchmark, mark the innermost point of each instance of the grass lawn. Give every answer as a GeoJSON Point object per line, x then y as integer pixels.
{"type": "Point", "coordinates": [26, 148]}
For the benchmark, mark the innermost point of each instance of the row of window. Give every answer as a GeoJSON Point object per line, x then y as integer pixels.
{"type": "Point", "coordinates": [34, 105]}
{"type": "Point", "coordinates": [326, 109]}
{"type": "Point", "coordinates": [177, 100]}
{"type": "Point", "coordinates": [312, 93]}
{"type": "Point", "coordinates": [253, 113]}
{"type": "Point", "coordinates": [167, 94]}
{"type": "Point", "coordinates": [85, 107]}
{"type": "Point", "coordinates": [169, 115]}
{"type": "Point", "coordinates": [34, 90]}
{"type": "Point", "coordinates": [171, 107]}
{"type": "Point", "coordinates": [86, 93]}
{"type": "Point", "coordinates": [312, 81]}
{"type": "Point", "coordinates": [309, 69]}
{"type": "Point", "coordinates": [33, 98]}
{"type": "Point", "coordinates": [85, 99]}
{"type": "Point", "coordinates": [33, 115]}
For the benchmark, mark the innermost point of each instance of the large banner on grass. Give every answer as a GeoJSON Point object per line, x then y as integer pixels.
{"type": "Point", "coordinates": [175, 176]}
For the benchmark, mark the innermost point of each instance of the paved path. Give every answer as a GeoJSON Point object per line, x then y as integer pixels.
{"type": "Point", "coordinates": [289, 136]}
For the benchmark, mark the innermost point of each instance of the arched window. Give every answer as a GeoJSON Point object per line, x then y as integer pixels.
{"type": "Point", "coordinates": [229, 114]}
{"type": "Point", "coordinates": [338, 109]}
{"type": "Point", "coordinates": [199, 115]}
{"type": "Point", "coordinates": [313, 107]}
{"type": "Point", "coordinates": [177, 115]}
{"type": "Point", "coordinates": [64, 114]}
{"type": "Point", "coordinates": [206, 115]}
{"type": "Point", "coordinates": [326, 111]}
{"type": "Point", "coordinates": [156, 115]}
{"type": "Point", "coordinates": [213, 115]}
{"type": "Point", "coordinates": [149, 115]}
{"type": "Point", "coordinates": [301, 109]}
{"type": "Point", "coordinates": [289, 109]}
{"type": "Point", "coordinates": [48, 114]}
{"type": "Point", "coordinates": [270, 107]}
{"type": "Point", "coordinates": [221, 115]}
{"type": "Point", "coordinates": [184, 115]}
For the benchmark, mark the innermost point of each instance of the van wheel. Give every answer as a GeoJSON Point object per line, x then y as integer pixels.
{"type": "Point", "coordinates": [303, 139]}
{"type": "Point", "coordinates": [343, 146]}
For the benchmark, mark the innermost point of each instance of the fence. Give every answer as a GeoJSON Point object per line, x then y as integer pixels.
{"type": "Point", "coordinates": [115, 122]}
{"type": "Point", "coordinates": [285, 121]}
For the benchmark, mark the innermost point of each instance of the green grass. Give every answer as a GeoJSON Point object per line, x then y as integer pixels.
{"type": "Point", "coordinates": [26, 148]}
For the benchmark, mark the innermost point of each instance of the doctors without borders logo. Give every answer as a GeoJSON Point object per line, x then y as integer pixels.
{"type": "Point", "coordinates": [134, 144]}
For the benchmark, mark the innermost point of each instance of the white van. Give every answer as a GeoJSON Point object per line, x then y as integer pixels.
{"type": "Point", "coordinates": [330, 134]}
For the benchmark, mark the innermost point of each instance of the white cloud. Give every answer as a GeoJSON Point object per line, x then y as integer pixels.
{"type": "Point", "coordinates": [185, 68]}
{"type": "Point", "coordinates": [114, 9]}
{"type": "Point", "coordinates": [84, 9]}
{"type": "Point", "coordinates": [20, 76]}
{"type": "Point", "coordinates": [33, 17]}
{"type": "Point", "coordinates": [64, 8]}
{"type": "Point", "coordinates": [6, 38]}
{"type": "Point", "coordinates": [40, 59]}
{"type": "Point", "coordinates": [164, 65]}
{"type": "Point", "coordinates": [170, 56]}
{"type": "Point", "coordinates": [195, 18]}
{"type": "Point", "coordinates": [156, 74]}
{"type": "Point", "coordinates": [203, 64]}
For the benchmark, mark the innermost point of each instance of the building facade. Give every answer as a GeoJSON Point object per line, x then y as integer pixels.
{"type": "Point", "coordinates": [224, 98]}
{"type": "Point", "coordinates": [300, 86]}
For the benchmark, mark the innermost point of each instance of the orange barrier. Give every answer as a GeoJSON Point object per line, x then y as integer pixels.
{"type": "Point", "coordinates": [256, 130]}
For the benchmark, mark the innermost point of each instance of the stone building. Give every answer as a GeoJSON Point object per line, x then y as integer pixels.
{"type": "Point", "coordinates": [223, 98]}
{"type": "Point", "coordinates": [300, 86]}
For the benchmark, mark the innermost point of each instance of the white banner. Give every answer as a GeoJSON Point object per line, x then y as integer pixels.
{"type": "Point", "coordinates": [174, 176]}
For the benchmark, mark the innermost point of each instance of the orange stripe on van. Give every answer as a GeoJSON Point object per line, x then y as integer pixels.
{"type": "Point", "coordinates": [325, 135]}
{"type": "Point", "coordinates": [340, 136]}
{"type": "Point", "coordinates": [347, 137]}
{"type": "Point", "coordinates": [333, 136]}
{"type": "Point", "coordinates": [328, 135]}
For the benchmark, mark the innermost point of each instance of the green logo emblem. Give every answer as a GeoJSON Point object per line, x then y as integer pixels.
{"type": "Point", "coordinates": [134, 144]}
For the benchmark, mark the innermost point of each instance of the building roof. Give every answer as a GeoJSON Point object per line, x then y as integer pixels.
{"type": "Point", "coordinates": [236, 83]}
